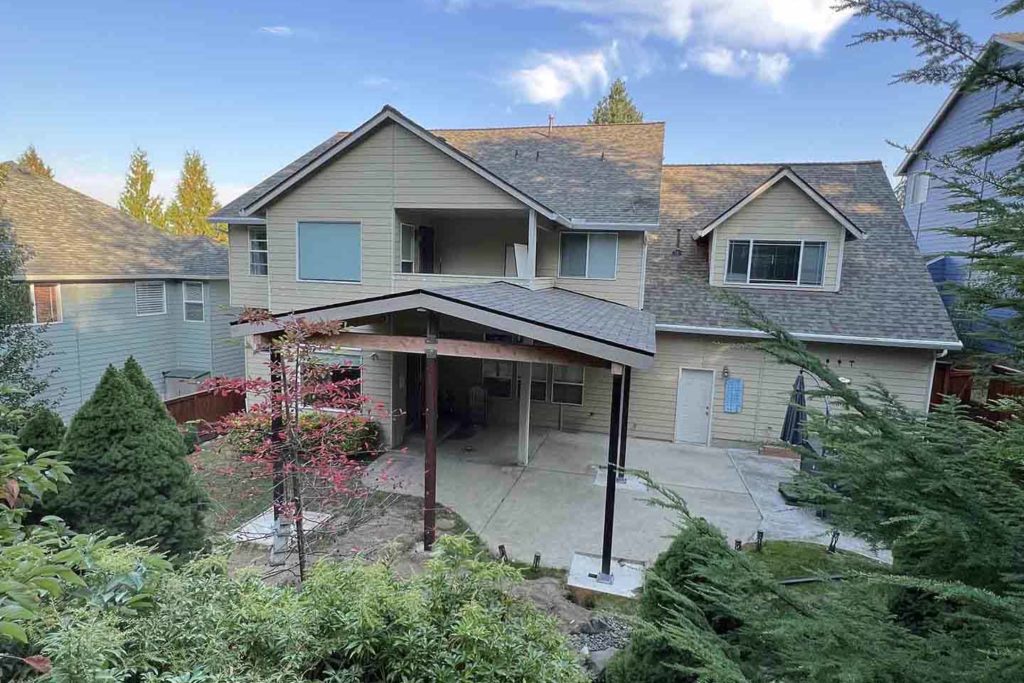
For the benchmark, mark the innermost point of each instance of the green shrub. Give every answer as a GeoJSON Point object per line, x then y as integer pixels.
{"type": "Point", "coordinates": [350, 622]}
{"type": "Point", "coordinates": [130, 473]}
{"type": "Point", "coordinates": [356, 435]}
{"type": "Point", "coordinates": [43, 431]}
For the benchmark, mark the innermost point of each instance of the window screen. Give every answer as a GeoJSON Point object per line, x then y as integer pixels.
{"type": "Point", "coordinates": [601, 258]}
{"type": "Point", "coordinates": [590, 255]}
{"type": "Point", "coordinates": [258, 262]}
{"type": "Point", "coordinates": [775, 262]}
{"type": "Point", "coordinates": [193, 301]}
{"type": "Point", "coordinates": [46, 304]}
{"type": "Point", "coordinates": [150, 298]}
{"type": "Point", "coordinates": [330, 251]}
{"type": "Point", "coordinates": [574, 256]}
{"type": "Point", "coordinates": [812, 267]}
{"type": "Point", "coordinates": [739, 260]}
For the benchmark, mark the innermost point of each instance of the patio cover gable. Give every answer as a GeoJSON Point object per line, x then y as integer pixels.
{"type": "Point", "coordinates": [576, 322]}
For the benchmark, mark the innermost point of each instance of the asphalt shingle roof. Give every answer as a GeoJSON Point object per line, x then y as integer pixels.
{"type": "Point", "coordinates": [576, 313]}
{"type": "Point", "coordinates": [70, 235]}
{"type": "Point", "coordinates": [885, 290]}
{"type": "Point", "coordinates": [598, 173]}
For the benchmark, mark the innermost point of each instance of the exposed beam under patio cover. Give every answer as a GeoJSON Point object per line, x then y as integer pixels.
{"type": "Point", "coordinates": [556, 317]}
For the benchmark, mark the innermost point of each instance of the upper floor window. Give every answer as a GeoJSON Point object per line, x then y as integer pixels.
{"type": "Point", "coordinates": [46, 304]}
{"type": "Point", "coordinates": [776, 263]}
{"type": "Point", "coordinates": [330, 252]}
{"type": "Point", "coordinates": [192, 295]}
{"type": "Point", "coordinates": [150, 298]}
{"type": "Point", "coordinates": [258, 261]}
{"type": "Point", "coordinates": [917, 188]}
{"type": "Point", "coordinates": [408, 247]}
{"type": "Point", "coordinates": [588, 255]}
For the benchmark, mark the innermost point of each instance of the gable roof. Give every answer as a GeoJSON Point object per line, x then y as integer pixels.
{"type": "Point", "coordinates": [1014, 41]}
{"type": "Point", "coordinates": [71, 236]}
{"type": "Point", "coordinates": [886, 295]}
{"type": "Point", "coordinates": [783, 173]}
{"type": "Point", "coordinates": [579, 176]}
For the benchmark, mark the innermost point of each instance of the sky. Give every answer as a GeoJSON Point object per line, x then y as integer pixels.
{"type": "Point", "coordinates": [251, 85]}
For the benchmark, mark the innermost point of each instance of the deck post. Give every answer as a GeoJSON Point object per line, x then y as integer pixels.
{"type": "Point", "coordinates": [430, 428]}
{"type": "Point", "coordinates": [627, 376]}
{"type": "Point", "coordinates": [279, 544]}
{"type": "Point", "coordinates": [525, 386]}
{"type": "Point", "coordinates": [613, 454]}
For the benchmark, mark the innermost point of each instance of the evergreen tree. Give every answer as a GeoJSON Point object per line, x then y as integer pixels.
{"type": "Point", "coordinates": [135, 199]}
{"type": "Point", "coordinates": [23, 346]}
{"type": "Point", "coordinates": [130, 473]}
{"type": "Point", "coordinates": [990, 303]}
{"type": "Point", "coordinates": [43, 431]}
{"type": "Point", "coordinates": [194, 200]}
{"type": "Point", "coordinates": [616, 106]}
{"type": "Point", "coordinates": [33, 163]}
{"type": "Point", "coordinates": [134, 373]}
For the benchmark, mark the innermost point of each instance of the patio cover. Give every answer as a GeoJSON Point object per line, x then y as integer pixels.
{"type": "Point", "coordinates": [587, 325]}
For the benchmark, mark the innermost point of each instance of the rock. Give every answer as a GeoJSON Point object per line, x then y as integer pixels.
{"type": "Point", "coordinates": [599, 660]}
{"type": "Point", "coordinates": [445, 524]}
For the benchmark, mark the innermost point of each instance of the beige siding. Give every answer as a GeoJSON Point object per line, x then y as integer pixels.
{"type": "Point", "coordinates": [784, 212]}
{"type": "Point", "coordinates": [389, 169]}
{"type": "Point", "coordinates": [624, 288]}
{"type": "Point", "coordinates": [767, 383]}
{"type": "Point", "coordinates": [246, 290]}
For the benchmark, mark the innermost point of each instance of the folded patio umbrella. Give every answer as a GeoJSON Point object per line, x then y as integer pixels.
{"type": "Point", "coordinates": [794, 426]}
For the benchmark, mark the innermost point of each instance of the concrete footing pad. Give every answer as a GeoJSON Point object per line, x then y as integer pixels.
{"type": "Point", "coordinates": [626, 580]}
{"type": "Point", "coordinates": [630, 482]}
{"type": "Point", "coordinates": [260, 529]}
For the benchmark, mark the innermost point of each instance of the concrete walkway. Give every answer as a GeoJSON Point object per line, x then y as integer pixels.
{"type": "Point", "coordinates": [555, 506]}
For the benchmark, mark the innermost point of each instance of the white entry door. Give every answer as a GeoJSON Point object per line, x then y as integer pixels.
{"type": "Point", "coordinates": [694, 397]}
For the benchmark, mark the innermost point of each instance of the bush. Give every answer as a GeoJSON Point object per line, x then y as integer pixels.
{"type": "Point", "coordinates": [130, 473]}
{"type": "Point", "coordinates": [43, 431]}
{"type": "Point", "coordinates": [350, 622]}
{"type": "Point", "coordinates": [357, 436]}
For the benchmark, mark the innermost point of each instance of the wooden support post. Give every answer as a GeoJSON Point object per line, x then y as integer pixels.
{"type": "Point", "coordinates": [531, 246]}
{"type": "Point", "coordinates": [525, 387]}
{"type": "Point", "coordinates": [279, 542]}
{"type": "Point", "coordinates": [613, 456]}
{"type": "Point", "coordinates": [627, 376]}
{"type": "Point", "coordinates": [430, 427]}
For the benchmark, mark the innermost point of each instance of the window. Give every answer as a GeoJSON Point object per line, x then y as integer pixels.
{"type": "Point", "coordinates": [330, 367]}
{"type": "Point", "coordinates": [917, 188]}
{"type": "Point", "coordinates": [329, 252]}
{"type": "Point", "coordinates": [776, 263]}
{"type": "Point", "coordinates": [258, 262]}
{"type": "Point", "coordinates": [46, 304]}
{"type": "Point", "coordinates": [539, 382]}
{"type": "Point", "coordinates": [567, 384]}
{"type": "Point", "coordinates": [498, 378]}
{"type": "Point", "coordinates": [588, 255]}
{"type": "Point", "coordinates": [150, 298]}
{"type": "Point", "coordinates": [408, 247]}
{"type": "Point", "coordinates": [192, 294]}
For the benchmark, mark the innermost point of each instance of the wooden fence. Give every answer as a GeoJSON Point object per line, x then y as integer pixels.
{"type": "Point", "coordinates": [204, 407]}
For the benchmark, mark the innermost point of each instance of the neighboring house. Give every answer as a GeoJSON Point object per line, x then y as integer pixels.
{"type": "Point", "coordinates": [554, 258]}
{"type": "Point", "coordinates": [959, 123]}
{"type": "Point", "coordinates": [107, 287]}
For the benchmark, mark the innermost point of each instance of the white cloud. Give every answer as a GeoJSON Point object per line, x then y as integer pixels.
{"type": "Point", "coordinates": [280, 31]}
{"type": "Point", "coordinates": [554, 76]}
{"type": "Point", "coordinates": [377, 82]}
{"type": "Point", "coordinates": [766, 67]}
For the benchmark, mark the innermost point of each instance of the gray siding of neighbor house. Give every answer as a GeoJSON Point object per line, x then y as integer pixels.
{"type": "Point", "coordinates": [961, 126]}
{"type": "Point", "coordinates": [100, 328]}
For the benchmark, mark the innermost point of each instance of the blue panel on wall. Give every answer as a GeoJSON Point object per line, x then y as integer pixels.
{"type": "Point", "coordinates": [733, 395]}
{"type": "Point", "coordinates": [330, 251]}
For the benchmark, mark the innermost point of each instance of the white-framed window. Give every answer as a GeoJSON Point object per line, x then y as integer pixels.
{"type": "Point", "coordinates": [539, 383]}
{"type": "Point", "coordinates": [567, 384]}
{"type": "Point", "coordinates": [768, 262]}
{"type": "Point", "coordinates": [408, 256]}
{"type": "Point", "coordinates": [46, 305]}
{"type": "Point", "coordinates": [193, 303]}
{"type": "Point", "coordinates": [588, 255]}
{"type": "Point", "coordinates": [328, 251]}
{"type": "Point", "coordinates": [497, 377]}
{"type": "Point", "coordinates": [150, 298]}
{"type": "Point", "coordinates": [259, 261]}
{"type": "Point", "coordinates": [917, 188]}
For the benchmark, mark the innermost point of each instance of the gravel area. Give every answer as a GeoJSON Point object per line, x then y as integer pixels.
{"type": "Point", "coordinates": [603, 631]}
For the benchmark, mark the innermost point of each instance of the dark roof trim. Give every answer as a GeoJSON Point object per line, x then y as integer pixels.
{"type": "Point", "coordinates": [390, 114]}
{"type": "Point", "coordinates": [787, 173]}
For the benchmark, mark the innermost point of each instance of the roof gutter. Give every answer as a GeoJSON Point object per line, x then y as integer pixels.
{"type": "Point", "coordinates": [599, 226]}
{"type": "Point", "coordinates": [237, 220]}
{"type": "Point", "coordinates": [933, 344]}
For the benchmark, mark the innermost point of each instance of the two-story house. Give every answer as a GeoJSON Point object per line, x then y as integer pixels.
{"type": "Point", "coordinates": [959, 122]}
{"type": "Point", "coordinates": [106, 287]}
{"type": "Point", "coordinates": [546, 266]}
